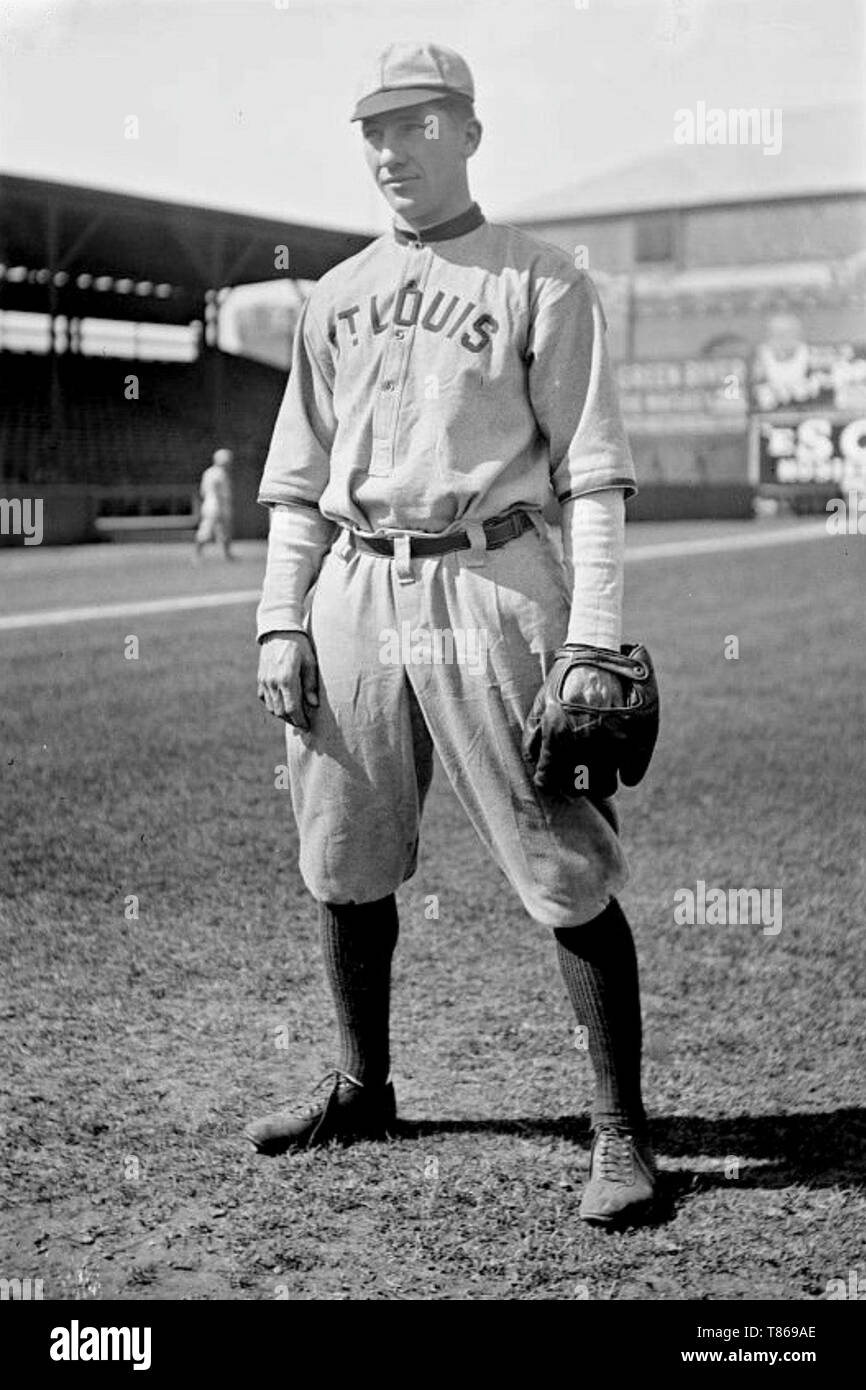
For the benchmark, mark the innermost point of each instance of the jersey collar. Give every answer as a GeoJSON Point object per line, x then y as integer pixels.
{"type": "Point", "coordinates": [455, 226]}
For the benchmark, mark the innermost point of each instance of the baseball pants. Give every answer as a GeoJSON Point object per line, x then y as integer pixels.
{"type": "Point", "coordinates": [444, 652]}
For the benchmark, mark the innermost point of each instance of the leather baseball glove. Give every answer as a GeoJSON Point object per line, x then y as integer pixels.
{"type": "Point", "coordinates": [577, 749]}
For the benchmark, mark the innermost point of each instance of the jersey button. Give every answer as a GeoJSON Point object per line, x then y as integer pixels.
{"type": "Point", "coordinates": [398, 333]}
{"type": "Point", "coordinates": [387, 386]}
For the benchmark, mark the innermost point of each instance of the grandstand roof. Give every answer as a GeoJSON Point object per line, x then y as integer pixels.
{"type": "Point", "coordinates": [153, 259]}
{"type": "Point", "coordinates": [823, 153]}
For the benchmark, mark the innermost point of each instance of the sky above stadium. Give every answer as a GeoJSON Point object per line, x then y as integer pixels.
{"type": "Point", "coordinates": [245, 103]}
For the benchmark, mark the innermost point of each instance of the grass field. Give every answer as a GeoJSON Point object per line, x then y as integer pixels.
{"type": "Point", "coordinates": [137, 1048]}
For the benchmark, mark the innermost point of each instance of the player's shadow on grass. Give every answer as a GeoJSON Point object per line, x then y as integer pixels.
{"type": "Point", "coordinates": [766, 1151]}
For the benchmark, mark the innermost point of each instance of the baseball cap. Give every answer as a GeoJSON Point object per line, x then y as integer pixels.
{"type": "Point", "coordinates": [406, 74]}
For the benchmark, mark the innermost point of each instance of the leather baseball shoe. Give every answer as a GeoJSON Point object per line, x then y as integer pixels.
{"type": "Point", "coordinates": [351, 1112]}
{"type": "Point", "coordinates": [622, 1175]}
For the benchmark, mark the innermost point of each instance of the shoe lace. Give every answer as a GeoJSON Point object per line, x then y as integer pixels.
{"type": "Point", "coordinates": [614, 1156]}
{"type": "Point", "coordinates": [312, 1104]}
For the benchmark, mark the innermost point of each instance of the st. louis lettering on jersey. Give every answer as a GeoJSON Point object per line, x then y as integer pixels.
{"type": "Point", "coordinates": [407, 307]}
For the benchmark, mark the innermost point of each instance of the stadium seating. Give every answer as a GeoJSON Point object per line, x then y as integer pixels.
{"type": "Point", "coordinates": [98, 437]}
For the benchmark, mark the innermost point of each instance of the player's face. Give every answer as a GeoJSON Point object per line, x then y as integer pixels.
{"type": "Point", "coordinates": [417, 155]}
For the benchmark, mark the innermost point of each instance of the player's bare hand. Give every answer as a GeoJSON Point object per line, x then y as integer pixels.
{"type": "Point", "coordinates": [288, 679]}
{"type": "Point", "coordinates": [587, 685]}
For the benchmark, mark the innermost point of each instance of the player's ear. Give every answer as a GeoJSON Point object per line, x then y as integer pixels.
{"type": "Point", "coordinates": [472, 136]}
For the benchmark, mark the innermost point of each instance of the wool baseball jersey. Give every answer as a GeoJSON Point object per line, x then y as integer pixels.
{"type": "Point", "coordinates": [444, 378]}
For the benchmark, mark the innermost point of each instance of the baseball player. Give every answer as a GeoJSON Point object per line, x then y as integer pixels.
{"type": "Point", "coordinates": [215, 513]}
{"type": "Point", "coordinates": [446, 383]}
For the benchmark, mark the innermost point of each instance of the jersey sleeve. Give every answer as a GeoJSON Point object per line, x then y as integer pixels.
{"type": "Point", "coordinates": [573, 393]}
{"type": "Point", "coordinates": [297, 466]}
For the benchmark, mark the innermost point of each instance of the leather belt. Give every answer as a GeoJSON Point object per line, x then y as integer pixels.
{"type": "Point", "coordinates": [499, 531]}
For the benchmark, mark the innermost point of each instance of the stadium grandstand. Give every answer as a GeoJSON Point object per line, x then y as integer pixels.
{"type": "Point", "coordinates": [114, 386]}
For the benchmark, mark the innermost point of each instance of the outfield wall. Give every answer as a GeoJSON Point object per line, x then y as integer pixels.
{"type": "Point", "coordinates": [691, 502]}
{"type": "Point", "coordinates": [67, 513]}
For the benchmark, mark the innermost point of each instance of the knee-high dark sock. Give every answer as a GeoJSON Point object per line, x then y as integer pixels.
{"type": "Point", "coordinates": [599, 966]}
{"type": "Point", "coordinates": [358, 941]}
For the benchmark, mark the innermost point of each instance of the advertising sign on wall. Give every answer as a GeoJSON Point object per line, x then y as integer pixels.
{"type": "Point", "coordinates": [808, 410]}
{"type": "Point", "coordinates": [803, 376]}
{"type": "Point", "coordinates": [817, 449]}
{"type": "Point", "coordinates": [704, 394]}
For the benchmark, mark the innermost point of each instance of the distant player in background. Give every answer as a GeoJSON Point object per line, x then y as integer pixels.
{"type": "Point", "coordinates": [215, 513]}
